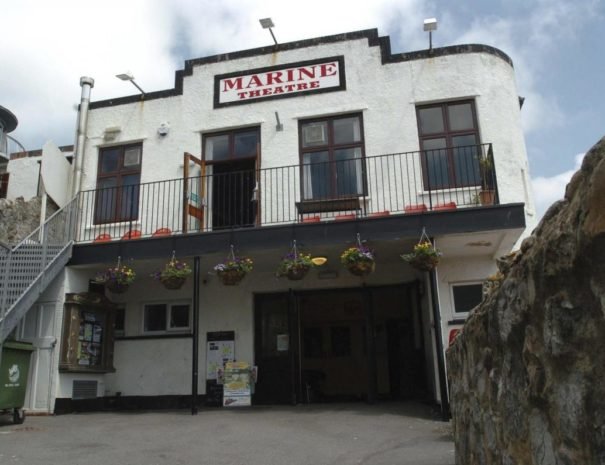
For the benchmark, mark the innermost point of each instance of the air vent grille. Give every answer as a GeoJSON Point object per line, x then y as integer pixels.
{"type": "Point", "coordinates": [84, 389]}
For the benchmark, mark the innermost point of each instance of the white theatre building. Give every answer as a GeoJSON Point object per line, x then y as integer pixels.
{"type": "Point", "coordinates": [325, 142]}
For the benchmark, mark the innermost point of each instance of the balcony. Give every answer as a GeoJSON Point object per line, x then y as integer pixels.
{"type": "Point", "coordinates": [411, 183]}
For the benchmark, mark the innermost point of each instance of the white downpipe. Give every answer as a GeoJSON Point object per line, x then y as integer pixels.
{"type": "Point", "coordinates": [86, 83]}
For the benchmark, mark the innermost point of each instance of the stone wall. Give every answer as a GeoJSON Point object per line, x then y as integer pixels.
{"type": "Point", "coordinates": [527, 375]}
{"type": "Point", "coordinates": [18, 218]}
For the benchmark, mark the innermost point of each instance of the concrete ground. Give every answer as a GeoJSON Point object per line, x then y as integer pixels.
{"type": "Point", "coordinates": [392, 433]}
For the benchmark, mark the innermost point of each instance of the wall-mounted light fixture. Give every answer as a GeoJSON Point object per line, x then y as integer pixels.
{"type": "Point", "coordinates": [318, 261]}
{"type": "Point", "coordinates": [129, 77]}
{"type": "Point", "coordinates": [267, 23]}
{"type": "Point", "coordinates": [430, 25]}
{"type": "Point", "coordinates": [111, 133]}
{"type": "Point", "coordinates": [278, 126]}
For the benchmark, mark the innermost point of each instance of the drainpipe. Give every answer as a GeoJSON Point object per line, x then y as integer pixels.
{"type": "Point", "coordinates": [86, 83]}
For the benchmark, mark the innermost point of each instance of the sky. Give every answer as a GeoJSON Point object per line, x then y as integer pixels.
{"type": "Point", "coordinates": [555, 46]}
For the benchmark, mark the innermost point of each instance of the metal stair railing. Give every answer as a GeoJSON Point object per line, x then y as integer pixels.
{"type": "Point", "coordinates": [28, 268]}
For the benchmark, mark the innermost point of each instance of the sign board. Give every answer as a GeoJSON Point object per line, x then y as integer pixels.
{"type": "Point", "coordinates": [288, 80]}
{"type": "Point", "coordinates": [220, 349]}
{"type": "Point", "coordinates": [237, 385]}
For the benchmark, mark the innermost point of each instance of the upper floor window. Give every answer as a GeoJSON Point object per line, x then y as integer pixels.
{"type": "Point", "coordinates": [332, 151]}
{"type": "Point", "coordinates": [449, 140]}
{"type": "Point", "coordinates": [118, 180]}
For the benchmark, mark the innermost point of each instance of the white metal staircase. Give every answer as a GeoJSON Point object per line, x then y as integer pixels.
{"type": "Point", "coordinates": [28, 268]}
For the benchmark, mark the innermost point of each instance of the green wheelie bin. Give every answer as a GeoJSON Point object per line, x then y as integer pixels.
{"type": "Point", "coordinates": [14, 371]}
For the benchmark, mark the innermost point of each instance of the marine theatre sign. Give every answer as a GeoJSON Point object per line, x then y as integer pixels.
{"type": "Point", "coordinates": [325, 75]}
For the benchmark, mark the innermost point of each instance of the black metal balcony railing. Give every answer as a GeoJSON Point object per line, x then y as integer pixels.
{"type": "Point", "coordinates": [400, 183]}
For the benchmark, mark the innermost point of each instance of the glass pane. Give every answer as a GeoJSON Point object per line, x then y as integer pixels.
{"type": "Point", "coordinates": [460, 116]}
{"type": "Point", "coordinates": [316, 175]}
{"type": "Point", "coordinates": [435, 163]}
{"type": "Point", "coordinates": [105, 205]}
{"type": "Point", "coordinates": [129, 206]}
{"type": "Point", "coordinates": [132, 157]}
{"type": "Point", "coordinates": [110, 160]}
{"type": "Point", "coordinates": [155, 317]}
{"type": "Point", "coordinates": [217, 147]}
{"type": "Point", "coordinates": [341, 341]}
{"type": "Point", "coordinates": [347, 130]}
{"type": "Point", "coordinates": [245, 144]}
{"type": "Point", "coordinates": [466, 160]}
{"type": "Point", "coordinates": [348, 172]}
{"type": "Point", "coordinates": [431, 120]}
{"type": "Point", "coordinates": [314, 134]}
{"type": "Point", "coordinates": [179, 316]}
{"type": "Point", "coordinates": [120, 319]}
{"type": "Point", "coordinates": [467, 297]}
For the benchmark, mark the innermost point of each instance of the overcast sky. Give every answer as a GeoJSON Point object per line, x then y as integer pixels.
{"type": "Point", "coordinates": [556, 47]}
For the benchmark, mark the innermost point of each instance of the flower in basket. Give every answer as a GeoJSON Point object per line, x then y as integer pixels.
{"type": "Point", "coordinates": [424, 257]}
{"type": "Point", "coordinates": [233, 269]}
{"type": "Point", "coordinates": [117, 279]}
{"type": "Point", "coordinates": [295, 265]}
{"type": "Point", "coordinates": [359, 260]}
{"type": "Point", "coordinates": [174, 274]}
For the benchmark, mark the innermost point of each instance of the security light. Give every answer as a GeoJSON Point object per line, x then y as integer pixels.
{"type": "Point", "coordinates": [267, 23]}
{"type": "Point", "coordinates": [430, 25]}
{"type": "Point", "coordinates": [129, 77]}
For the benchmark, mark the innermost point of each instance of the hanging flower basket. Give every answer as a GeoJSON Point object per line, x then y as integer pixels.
{"type": "Point", "coordinates": [359, 260]}
{"type": "Point", "coordinates": [295, 265]}
{"type": "Point", "coordinates": [115, 287]}
{"type": "Point", "coordinates": [173, 283]}
{"type": "Point", "coordinates": [231, 277]}
{"type": "Point", "coordinates": [233, 269]}
{"type": "Point", "coordinates": [116, 279]}
{"type": "Point", "coordinates": [425, 256]}
{"type": "Point", "coordinates": [174, 274]}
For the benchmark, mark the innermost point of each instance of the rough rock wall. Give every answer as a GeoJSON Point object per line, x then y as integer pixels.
{"type": "Point", "coordinates": [18, 218]}
{"type": "Point", "coordinates": [527, 374]}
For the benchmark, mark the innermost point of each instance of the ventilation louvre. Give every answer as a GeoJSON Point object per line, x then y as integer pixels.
{"type": "Point", "coordinates": [84, 389]}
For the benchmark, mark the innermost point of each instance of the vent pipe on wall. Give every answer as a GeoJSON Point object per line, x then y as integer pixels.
{"type": "Point", "coordinates": [87, 83]}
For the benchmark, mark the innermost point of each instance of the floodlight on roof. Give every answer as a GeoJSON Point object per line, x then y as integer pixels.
{"type": "Point", "coordinates": [129, 77]}
{"type": "Point", "coordinates": [430, 25]}
{"type": "Point", "coordinates": [267, 23]}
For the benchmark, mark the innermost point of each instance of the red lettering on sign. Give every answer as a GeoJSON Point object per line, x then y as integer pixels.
{"type": "Point", "coordinates": [242, 95]}
{"type": "Point", "coordinates": [328, 69]}
{"type": "Point", "coordinates": [254, 82]}
{"type": "Point", "coordinates": [308, 72]}
{"type": "Point", "coordinates": [266, 91]}
{"type": "Point", "coordinates": [274, 78]}
{"type": "Point", "coordinates": [254, 93]}
{"type": "Point", "coordinates": [314, 85]}
{"type": "Point", "coordinates": [301, 86]}
{"type": "Point", "coordinates": [229, 84]}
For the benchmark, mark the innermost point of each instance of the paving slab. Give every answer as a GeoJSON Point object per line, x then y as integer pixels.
{"type": "Point", "coordinates": [321, 434]}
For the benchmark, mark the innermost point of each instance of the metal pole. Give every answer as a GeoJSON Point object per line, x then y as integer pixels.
{"type": "Point", "coordinates": [195, 345]}
{"type": "Point", "coordinates": [445, 406]}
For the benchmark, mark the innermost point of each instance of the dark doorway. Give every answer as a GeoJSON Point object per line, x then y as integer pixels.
{"type": "Point", "coordinates": [233, 194]}
{"type": "Point", "coordinates": [331, 354]}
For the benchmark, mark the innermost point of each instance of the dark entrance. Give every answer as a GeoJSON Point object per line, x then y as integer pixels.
{"type": "Point", "coordinates": [331, 355]}
{"type": "Point", "coordinates": [233, 202]}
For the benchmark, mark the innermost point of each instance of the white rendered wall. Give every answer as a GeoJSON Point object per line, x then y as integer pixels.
{"type": "Point", "coordinates": [23, 179]}
{"type": "Point", "coordinates": [386, 95]}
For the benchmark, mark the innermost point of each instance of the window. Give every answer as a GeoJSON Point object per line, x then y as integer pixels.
{"type": "Point", "coordinates": [164, 317]}
{"type": "Point", "coordinates": [118, 326]}
{"type": "Point", "coordinates": [332, 153]}
{"type": "Point", "coordinates": [118, 180]}
{"type": "Point", "coordinates": [466, 296]}
{"type": "Point", "coordinates": [449, 141]}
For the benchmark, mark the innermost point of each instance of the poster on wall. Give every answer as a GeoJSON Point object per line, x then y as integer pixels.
{"type": "Point", "coordinates": [237, 383]}
{"type": "Point", "coordinates": [220, 349]}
